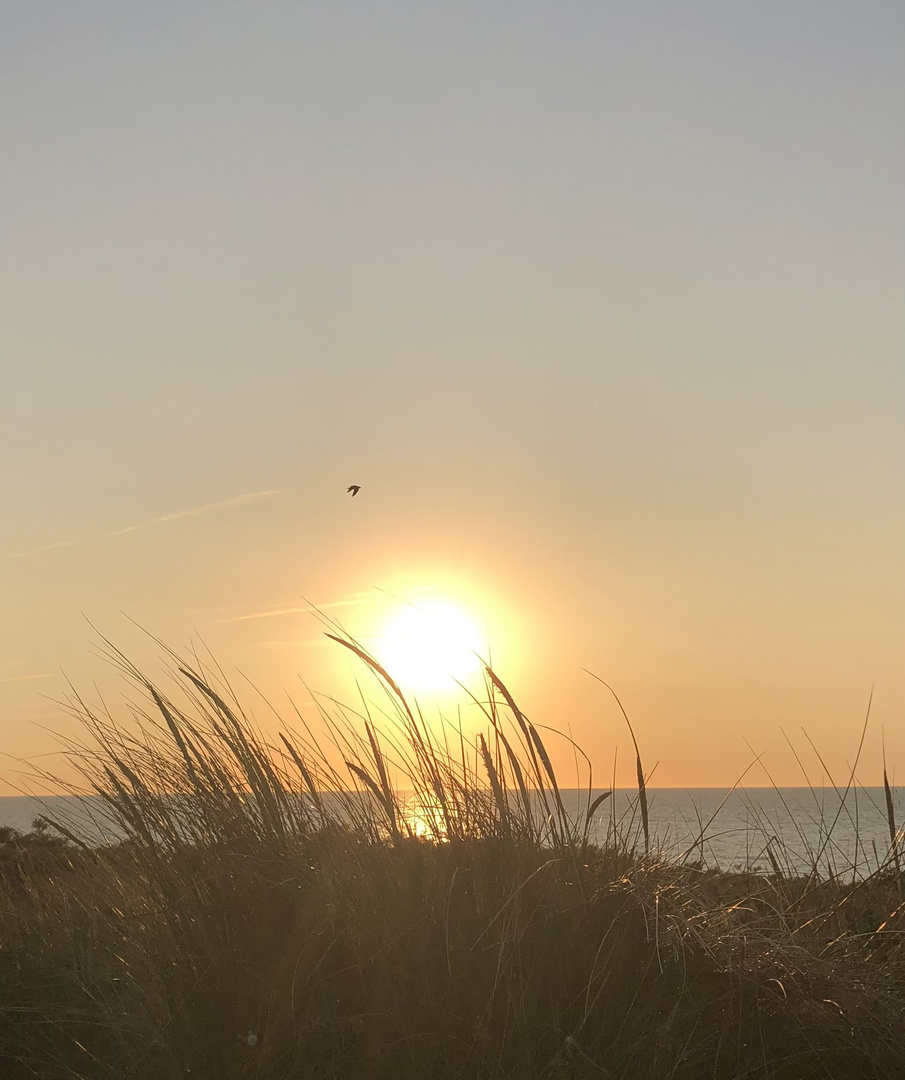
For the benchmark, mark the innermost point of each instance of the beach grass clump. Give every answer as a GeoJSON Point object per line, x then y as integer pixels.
{"type": "Point", "coordinates": [396, 899]}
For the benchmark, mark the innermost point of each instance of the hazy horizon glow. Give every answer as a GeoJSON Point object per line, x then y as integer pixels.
{"type": "Point", "coordinates": [601, 305]}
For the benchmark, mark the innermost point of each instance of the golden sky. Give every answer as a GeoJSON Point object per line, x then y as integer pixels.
{"type": "Point", "coordinates": [601, 305]}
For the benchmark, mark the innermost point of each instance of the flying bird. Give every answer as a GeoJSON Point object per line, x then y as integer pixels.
{"type": "Point", "coordinates": [354, 488]}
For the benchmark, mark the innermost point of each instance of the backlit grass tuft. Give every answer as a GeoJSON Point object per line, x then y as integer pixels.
{"type": "Point", "coordinates": [396, 901]}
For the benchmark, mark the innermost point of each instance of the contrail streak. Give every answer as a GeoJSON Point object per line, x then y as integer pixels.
{"type": "Point", "coordinates": [209, 507]}
{"type": "Point", "coordinates": [197, 511]}
{"type": "Point", "coordinates": [43, 547]}
{"type": "Point", "coordinates": [357, 598]}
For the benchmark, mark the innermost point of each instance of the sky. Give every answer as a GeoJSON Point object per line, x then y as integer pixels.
{"type": "Point", "coordinates": [600, 303]}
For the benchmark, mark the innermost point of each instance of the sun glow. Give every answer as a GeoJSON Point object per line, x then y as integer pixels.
{"type": "Point", "coordinates": [430, 646]}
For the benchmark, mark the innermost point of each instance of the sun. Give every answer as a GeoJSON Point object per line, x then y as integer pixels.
{"type": "Point", "coordinates": [430, 646]}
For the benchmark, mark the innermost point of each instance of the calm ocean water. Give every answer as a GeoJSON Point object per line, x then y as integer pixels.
{"type": "Point", "coordinates": [743, 827]}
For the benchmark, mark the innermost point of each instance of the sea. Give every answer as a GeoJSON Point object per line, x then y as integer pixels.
{"type": "Point", "coordinates": [843, 833]}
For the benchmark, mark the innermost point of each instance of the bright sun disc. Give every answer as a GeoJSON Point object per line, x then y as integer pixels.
{"type": "Point", "coordinates": [430, 646]}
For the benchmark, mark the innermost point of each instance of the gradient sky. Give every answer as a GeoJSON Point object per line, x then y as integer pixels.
{"type": "Point", "coordinates": [601, 303]}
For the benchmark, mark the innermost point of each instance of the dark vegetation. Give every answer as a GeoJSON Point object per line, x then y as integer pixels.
{"type": "Point", "coordinates": [255, 918]}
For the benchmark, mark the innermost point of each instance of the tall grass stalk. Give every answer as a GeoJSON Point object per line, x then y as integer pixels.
{"type": "Point", "coordinates": [639, 769]}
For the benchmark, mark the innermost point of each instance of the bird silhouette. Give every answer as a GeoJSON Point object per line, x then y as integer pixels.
{"type": "Point", "coordinates": [354, 488]}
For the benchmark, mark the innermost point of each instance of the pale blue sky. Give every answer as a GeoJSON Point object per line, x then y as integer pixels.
{"type": "Point", "coordinates": [601, 302]}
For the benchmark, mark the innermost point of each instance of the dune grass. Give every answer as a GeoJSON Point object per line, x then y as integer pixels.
{"type": "Point", "coordinates": [399, 901]}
